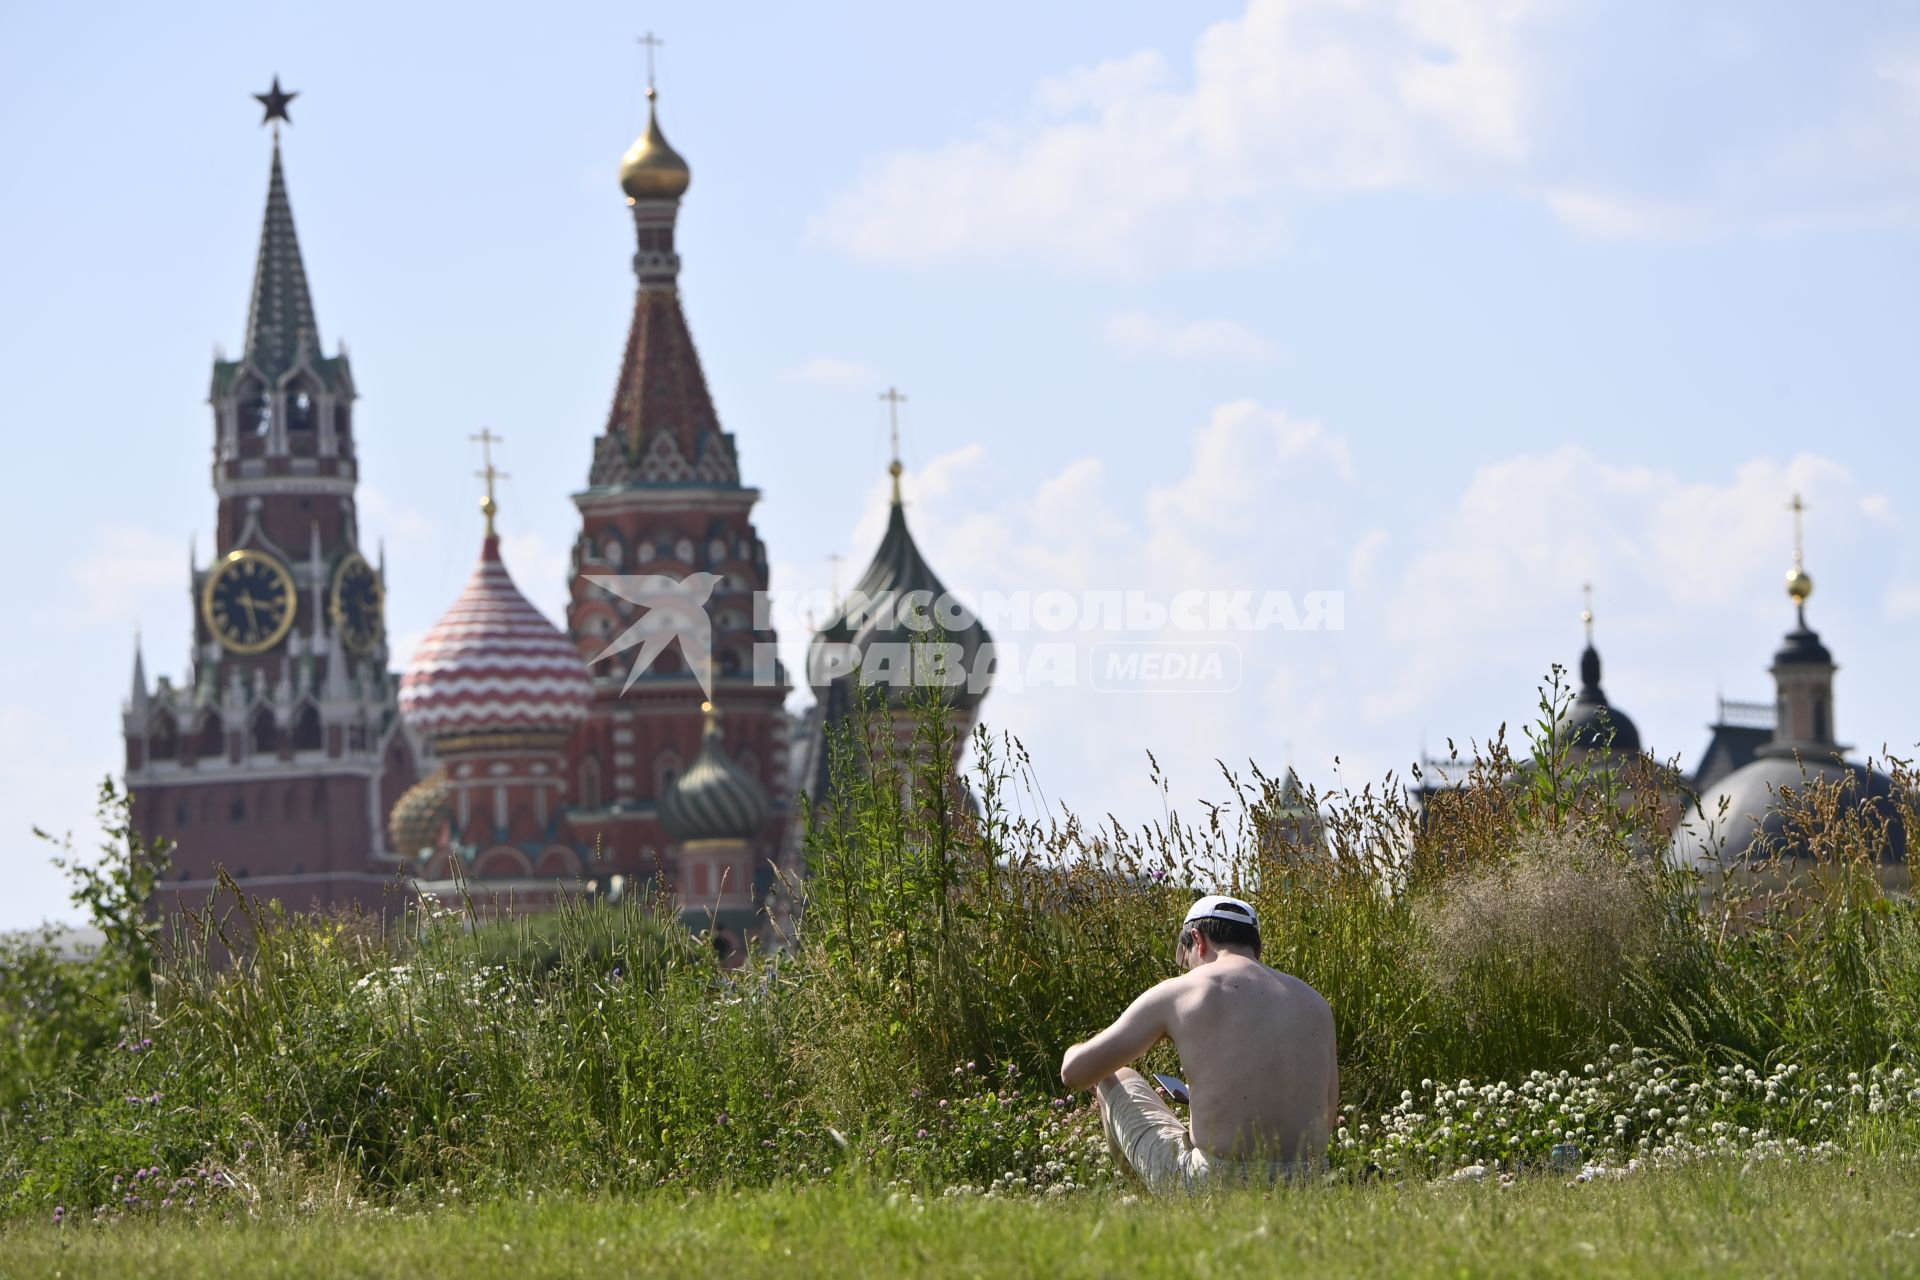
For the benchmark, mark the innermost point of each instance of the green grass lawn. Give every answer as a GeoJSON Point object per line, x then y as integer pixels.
{"type": "Point", "coordinates": [1708, 1220]}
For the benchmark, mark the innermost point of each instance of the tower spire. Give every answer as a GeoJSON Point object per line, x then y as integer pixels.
{"type": "Point", "coordinates": [894, 468]}
{"type": "Point", "coordinates": [280, 314]}
{"type": "Point", "coordinates": [137, 703]}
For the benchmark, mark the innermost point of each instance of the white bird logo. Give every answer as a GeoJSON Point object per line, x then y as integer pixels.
{"type": "Point", "coordinates": [672, 609]}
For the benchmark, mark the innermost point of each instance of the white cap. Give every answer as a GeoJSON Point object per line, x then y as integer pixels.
{"type": "Point", "coordinates": [1217, 906]}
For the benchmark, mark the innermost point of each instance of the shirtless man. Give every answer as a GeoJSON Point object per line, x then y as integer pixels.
{"type": "Point", "coordinates": [1258, 1049]}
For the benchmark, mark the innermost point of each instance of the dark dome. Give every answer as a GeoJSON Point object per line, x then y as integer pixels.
{"type": "Point", "coordinates": [715, 799]}
{"type": "Point", "coordinates": [1802, 646]}
{"type": "Point", "coordinates": [1753, 826]}
{"type": "Point", "coordinates": [892, 619]}
{"type": "Point", "coordinates": [1592, 723]}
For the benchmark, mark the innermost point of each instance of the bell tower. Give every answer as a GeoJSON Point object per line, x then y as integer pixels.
{"type": "Point", "coordinates": [288, 713]}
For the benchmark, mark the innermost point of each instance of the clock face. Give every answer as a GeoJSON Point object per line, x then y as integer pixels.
{"type": "Point", "coordinates": [357, 604]}
{"type": "Point", "coordinates": [249, 602]}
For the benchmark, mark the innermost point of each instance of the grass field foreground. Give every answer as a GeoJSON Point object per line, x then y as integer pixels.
{"type": "Point", "coordinates": [1775, 1218]}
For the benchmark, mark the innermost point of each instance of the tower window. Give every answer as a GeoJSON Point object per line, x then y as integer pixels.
{"type": "Point", "coordinates": [165, 742]}
{"type": "Point", "coordinates": [300, 411]}
{"type": "Point", "coordinates": [266, 734]}
{"type": "Point", "coordinates": [306, 729]}
{"type": "Point", "coordinates": [213, 737]}
{"type": "Point", "coordinates": [256, 412]}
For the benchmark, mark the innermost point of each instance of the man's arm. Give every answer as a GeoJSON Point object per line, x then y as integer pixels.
{"type": "Point", "coordinates": [1132, 1034]}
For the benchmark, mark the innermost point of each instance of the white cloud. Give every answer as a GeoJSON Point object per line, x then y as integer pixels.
{"type": "Point", "coordinates": [1139, 165]}
{"type": "Point", "coordinates": [128, 576]}
{"type": "Point", "coordinates": [1610, 216]}
{"type": "Point", "coordinates": [1138, 330]}
{"type": "Point", "coordinates": [831, 371]}
{"type": "Point", "coordinates": [1902, 601]}
{"type": "Point", "coordinates": [385, 518]}
{"type": "Point", "coordinates": [1119, 172]}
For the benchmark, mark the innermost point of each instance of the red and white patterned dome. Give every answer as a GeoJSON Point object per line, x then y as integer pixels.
{"type": "Point", "coordinates": [494, 664]}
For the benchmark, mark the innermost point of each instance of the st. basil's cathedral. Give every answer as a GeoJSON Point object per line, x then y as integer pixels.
{"type": "Point", "coordinates": [513, 759]}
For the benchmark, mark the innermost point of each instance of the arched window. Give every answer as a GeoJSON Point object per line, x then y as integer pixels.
{"type": "Point", "coordinates": [666, 771]}
{"type": "Point", "coordinates": [1821, 729]}
{"type": "Point", "coordinates": [266, 734]}
{"type": "Point", "coordinates": [306, 729]}
{"type": "Point", "coordinates": [590, 783]}
{"type": "Point", "coordinates": [729, 662]}
{"type": "Point", "coordinates": [256, 410]}
{"type": "Point", "coordinates": [340, 424]}
{"type": "Point", "coordinates": [302, 413]}
{"type": "Point", "coordinates": [213, 737]}
{"type": "Point", "coordinates": [164, 742]}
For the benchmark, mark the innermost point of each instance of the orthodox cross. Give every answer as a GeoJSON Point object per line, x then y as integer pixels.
{"type": "Point", "coordinates": [1799, 509]}
{"type": "Point", "coordinates": [833, 580]}
{"type": "Point", "coordinates": [1586, 612]}
{"type": "Point", "coordinates": [275, 101]}
{"type": "Point", "coordinates": [894, 400]}
{"type": "Point", "coordinates": [486, 440]}
{"type": "Point", "coordinates": [652, 42]}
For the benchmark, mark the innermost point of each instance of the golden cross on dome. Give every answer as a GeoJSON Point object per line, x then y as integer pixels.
{"type": "Point", "coordinates": [894, 400]}
{"type": "Point", "coordinates": [486, 440]}
{"type": "Point", "coordinates": [1586, 611]}
{"type": "Point", "coordinates": [1799, 509]}
{"type": "Point", "coordinates": [652, 42]}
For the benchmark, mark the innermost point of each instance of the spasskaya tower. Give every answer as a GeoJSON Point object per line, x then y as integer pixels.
{"type": "Point", "coordinates": [280, 754]}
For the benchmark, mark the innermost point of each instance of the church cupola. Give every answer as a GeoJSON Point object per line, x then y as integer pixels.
{"type": "Point", "coordinates": [900, 628]}
{"type": "Point", "coordinates": [1592, 723]}
{"type": "Point", "coordinates": [493, 672]}
{"type": "Point", "coordinates": [1803, 667]}
{"type": "Point", "coordinates": [651, 169]}
{"type": "Point", "coordinates": [714, 799]}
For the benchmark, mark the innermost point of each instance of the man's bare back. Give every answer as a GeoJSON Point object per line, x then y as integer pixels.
{"type": "Point", "coordinates": [1257, 1047]}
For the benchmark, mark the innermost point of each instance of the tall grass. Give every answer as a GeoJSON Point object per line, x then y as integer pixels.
{"type": "Point", "coordinates": [953, 938]}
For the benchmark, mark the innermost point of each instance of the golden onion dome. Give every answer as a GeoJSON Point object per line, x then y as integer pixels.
{"type": "Point", "coordinates": [652, 170]}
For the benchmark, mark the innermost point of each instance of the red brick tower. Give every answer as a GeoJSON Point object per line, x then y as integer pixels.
{"type": "Point", "coordinates": [665, 497]}
{"type": "Point", "coordinates": [282, 753]}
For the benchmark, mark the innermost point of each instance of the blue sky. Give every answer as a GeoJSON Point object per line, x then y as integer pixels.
{"type": "Point", "coordinates": [1446, 306]}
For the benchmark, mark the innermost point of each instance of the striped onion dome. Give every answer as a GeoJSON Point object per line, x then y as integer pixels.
{"type": "Point", "coordinates": [493, 666]}
{"type": "Point", "coordinates": [715, 799]}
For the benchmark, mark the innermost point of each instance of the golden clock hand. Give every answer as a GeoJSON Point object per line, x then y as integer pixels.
{"type": "Point", "coordinates": [247, 603]}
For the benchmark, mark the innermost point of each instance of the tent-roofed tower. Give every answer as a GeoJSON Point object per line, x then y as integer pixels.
{"type": "Point", "coordinates": [665, 498]}
{"type": "Point", "coordinates": [899, 639]}
{"type": "Point", "coordinates": [288, 715]}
